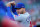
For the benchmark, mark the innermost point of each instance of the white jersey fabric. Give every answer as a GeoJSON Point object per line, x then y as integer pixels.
{"type": "Point", "coordinates": [23, 18]}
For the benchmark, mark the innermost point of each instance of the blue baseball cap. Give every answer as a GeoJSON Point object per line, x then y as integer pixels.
{"type": "Point", "coordinates": [19, 5]}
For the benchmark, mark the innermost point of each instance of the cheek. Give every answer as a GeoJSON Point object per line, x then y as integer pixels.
{"type": "Point", "coordinates": [20, 11]}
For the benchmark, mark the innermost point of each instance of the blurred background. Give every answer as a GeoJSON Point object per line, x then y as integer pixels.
{"type": "Point", "coordinates": [32, 6]}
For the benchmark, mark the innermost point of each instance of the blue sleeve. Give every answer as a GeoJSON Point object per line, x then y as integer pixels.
{"type": "Point", "coordinates": [9, 12]}
{"type": "Point", "coordinates": [14, 10]}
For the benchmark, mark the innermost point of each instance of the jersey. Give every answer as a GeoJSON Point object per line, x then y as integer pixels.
{"type": "Point", "coordinates": [23, 18]}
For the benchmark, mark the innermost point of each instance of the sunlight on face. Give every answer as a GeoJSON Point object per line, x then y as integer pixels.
{"type": "Point", "coordinates": [19, 10]}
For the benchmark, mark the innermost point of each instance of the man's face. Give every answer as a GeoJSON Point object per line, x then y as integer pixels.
{"type": "Point", "coordinates": [20, 10]}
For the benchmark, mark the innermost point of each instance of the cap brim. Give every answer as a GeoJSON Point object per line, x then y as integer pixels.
{"type": "Point", "coordinates": [17, 8]}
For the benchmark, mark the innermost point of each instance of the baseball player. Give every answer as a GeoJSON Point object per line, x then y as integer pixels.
{"type": "Point", "coordinates": [23, 17]}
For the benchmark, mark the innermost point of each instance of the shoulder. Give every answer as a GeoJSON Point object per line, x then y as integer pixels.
{"type": "Point", "coordinates": [27, 14]}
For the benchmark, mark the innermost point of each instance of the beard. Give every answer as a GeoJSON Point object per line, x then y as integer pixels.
{"type": "Point", "coordinates": [20, 12]}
